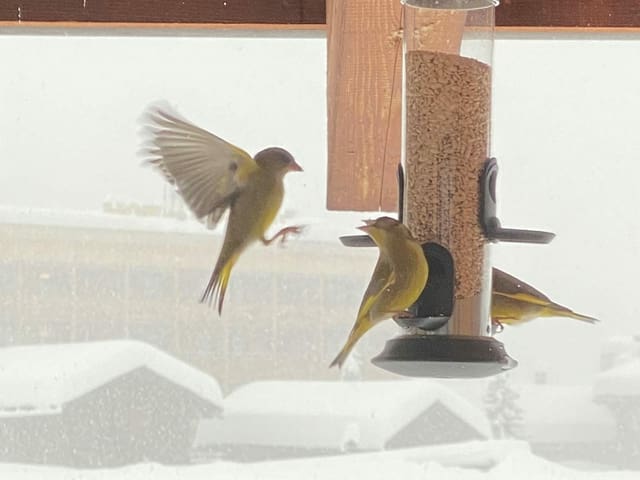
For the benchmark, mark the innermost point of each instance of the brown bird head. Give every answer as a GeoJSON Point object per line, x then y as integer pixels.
{"type": "Point", "coordinates": [277, 160]}
{"type": "Point", "coordinates": [385, 224]}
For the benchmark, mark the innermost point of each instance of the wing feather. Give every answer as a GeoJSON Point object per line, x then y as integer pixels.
{"type": "Point", "coordinates": [382, 278]}
{"type": "Point", "coordinates": [512, 287]}
{"type": "Point", "coordinates": [206, 170]}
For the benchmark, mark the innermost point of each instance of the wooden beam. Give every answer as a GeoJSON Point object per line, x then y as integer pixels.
{"type": "Point", "coordinates": [179, 28]}
{"type": "Point", "coordinates": [510, 13]}
{"type": "Point", "coordinates": [363, 102]}
{"type": "Point", "coordinates": [165, 11]}
{"type": "Point", "coordinates": [568, 13]}
{"type": "Point", "coordinates": [364, 95]}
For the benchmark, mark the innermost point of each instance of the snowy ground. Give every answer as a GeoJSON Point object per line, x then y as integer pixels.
{"type": "Point", "coordinates": [518, 465]}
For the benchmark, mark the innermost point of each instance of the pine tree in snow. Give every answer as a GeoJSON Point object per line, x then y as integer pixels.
{"type": "Point", "coordinates": [501, 405]}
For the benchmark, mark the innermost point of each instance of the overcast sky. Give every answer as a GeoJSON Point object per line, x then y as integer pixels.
{"type": "Point", "coordinates": [71, 104]}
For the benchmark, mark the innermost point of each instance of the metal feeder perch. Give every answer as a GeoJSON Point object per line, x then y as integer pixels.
{"type": "Point", "coordinates": [447, 194]}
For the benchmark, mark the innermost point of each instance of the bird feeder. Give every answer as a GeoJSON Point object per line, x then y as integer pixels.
{"type": "Point", "coordinates": [447, 190]}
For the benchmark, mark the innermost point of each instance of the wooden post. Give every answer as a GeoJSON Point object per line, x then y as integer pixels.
{"type": "Point", "coordinates": [364, 64]}
{"type": "Point", "coordinates": [364, 96]}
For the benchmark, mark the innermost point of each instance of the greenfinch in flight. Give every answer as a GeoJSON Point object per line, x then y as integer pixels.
{"type": "Point", "coordinates": [212, 175]}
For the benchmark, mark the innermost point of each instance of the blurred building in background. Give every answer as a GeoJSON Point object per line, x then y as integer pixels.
{"type": "Point", "coordinates": [100, 404]}
{"type": "Point", "coordinates": [331, 418]}
{"type": "Point", "coordinates": [286, 313]}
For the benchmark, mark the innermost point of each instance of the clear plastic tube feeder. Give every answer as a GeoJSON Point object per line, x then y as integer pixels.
{"type": "Point", "coordinates": [448, 190]}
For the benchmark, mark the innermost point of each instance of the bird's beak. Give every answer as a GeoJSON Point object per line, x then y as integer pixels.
{"type": "Point", "coordinates": [364, 228]}
{"type": "Point", "coordinates": [294, 167]}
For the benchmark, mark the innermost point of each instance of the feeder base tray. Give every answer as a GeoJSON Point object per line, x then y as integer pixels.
{"type": "Point", "coordinates": [444, 356]}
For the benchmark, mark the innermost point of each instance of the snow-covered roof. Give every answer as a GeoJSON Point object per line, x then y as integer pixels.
{"type": "Point", "coordinates": [622, 381]}
{"type": "Point", "coordinates": [40, 379]}
{"type": "Point", "coordinates": [564, 414]}
{"type": "Point", "coordinates": [314, 414]}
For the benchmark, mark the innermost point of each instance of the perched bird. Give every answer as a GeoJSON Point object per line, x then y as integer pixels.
{"type": "Point", "coordinates": [514, 302]}
{"type": "Point", "coordinates": [397, 281]}
{"type": "Point", "coordinates": [212, 176]}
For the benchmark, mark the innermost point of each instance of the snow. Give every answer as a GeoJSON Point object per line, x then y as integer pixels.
{"type": "Point", "coordinates": [474, 454]}
{"type": "Point", "coordinates": [623, 381]}
{"type": "Point", "coordinates": [515, 464]}
{"type": "Point", "coordinates": [564, 414]}
{"type": "Point", "coordinates": [40, 379]}
{"type": "Point", "coordinates": [329, 414]}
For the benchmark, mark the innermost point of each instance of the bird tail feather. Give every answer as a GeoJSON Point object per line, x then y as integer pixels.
{"type": "Point", "coordinates": [581, 317]}
{"type": "Point", "coordinates": [358, 331]}
{"type": "Point", "coordinates": [217, 286]}
{"type": "Point", "coordinates": [560, 311]}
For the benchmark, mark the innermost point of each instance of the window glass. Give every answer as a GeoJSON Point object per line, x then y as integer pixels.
{"type": "Point", "coordinates": [108, 359]}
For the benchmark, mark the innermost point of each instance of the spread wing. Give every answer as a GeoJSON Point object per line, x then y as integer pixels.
{"type": "Point", "coordinates": [207, 171]}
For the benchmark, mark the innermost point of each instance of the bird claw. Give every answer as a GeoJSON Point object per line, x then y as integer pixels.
{"type": "Point", "coordinates": [496, 327]}
{"type": "Point", "coordinates": [292, 230]}
{"type": "Point", "coordinates": [283, 233]}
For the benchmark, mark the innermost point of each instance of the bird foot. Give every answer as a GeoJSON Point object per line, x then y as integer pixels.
{"type": "Point", "coordinates": [496, 327]}
{"type": "Point", "coordinates": [283, 233]}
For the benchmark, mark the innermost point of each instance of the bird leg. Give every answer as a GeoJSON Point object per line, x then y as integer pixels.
{"type": "Point", "coordinates": [282, 234]}
{"type": "Point", "coordinates": [497, 326]}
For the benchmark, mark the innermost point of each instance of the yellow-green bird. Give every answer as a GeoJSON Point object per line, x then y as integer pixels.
{"type": "Point", "coordinates": [514, 302]}
{"type": "Point", "coordinates": [212, 176]}
{"type": "Point", "coordinates": [397, 281]}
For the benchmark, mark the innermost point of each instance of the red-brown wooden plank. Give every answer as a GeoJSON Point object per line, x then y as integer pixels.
{"type": "Point", "coordinates": [510, 13]}
{"type": "Point", "coordinates": [363, 103]}
{"type": "Point", "coordinates": [568, 13]}
{"type": "Point", "coordinates": [165, 11]}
